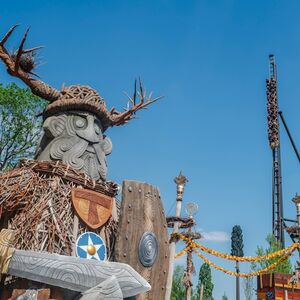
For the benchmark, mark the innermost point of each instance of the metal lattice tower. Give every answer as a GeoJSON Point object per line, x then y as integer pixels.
{"type": "Point", "coordinates": [274, 141]}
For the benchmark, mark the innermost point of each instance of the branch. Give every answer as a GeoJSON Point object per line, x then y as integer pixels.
{"type": "Point", "coordinates": [20, 51]}
{"type": "Point", "coordinates": [12, 63]}
{"type": "Point", "coordinates": [120, 118]}
{"type": "Point", "coordinates": [8, 34]}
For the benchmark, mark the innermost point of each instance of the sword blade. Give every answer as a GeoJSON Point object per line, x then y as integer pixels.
{"type": "Point", "coordinates": [75, 273]}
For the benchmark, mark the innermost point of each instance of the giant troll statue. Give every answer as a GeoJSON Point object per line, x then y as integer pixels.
{"type": "Point", "coordinates": [76, 116]}
{"type": "Point", "coordinates": [50, 201]}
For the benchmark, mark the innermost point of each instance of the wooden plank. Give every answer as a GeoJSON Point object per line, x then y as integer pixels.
{"type": "Point", "coordinates": [292, 295]}
{"type": "Point", "coordinates": [142, 211]}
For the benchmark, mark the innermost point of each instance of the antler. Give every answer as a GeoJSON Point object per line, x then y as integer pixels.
{"type": "Point", "coordinates": [14, 67]}
{"type": "Point", "coordinates": [120, 118]}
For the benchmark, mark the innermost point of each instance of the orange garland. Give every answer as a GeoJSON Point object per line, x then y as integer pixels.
{"type": "Point", "coordinates": [287, 252]}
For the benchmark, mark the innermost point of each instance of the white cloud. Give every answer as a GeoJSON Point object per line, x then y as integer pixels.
{"type": "Point", "coordinates": [215, 236]}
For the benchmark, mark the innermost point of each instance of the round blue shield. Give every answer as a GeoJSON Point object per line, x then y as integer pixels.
{"type": "Point", "coordinates": [91, 246]}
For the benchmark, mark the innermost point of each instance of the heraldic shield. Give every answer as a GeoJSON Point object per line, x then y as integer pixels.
{"type": "Point", "coordinates": [93, 208]}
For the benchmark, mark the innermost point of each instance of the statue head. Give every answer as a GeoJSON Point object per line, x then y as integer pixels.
{"type": "Point", "coordinates": [76, 117]}
{"type": "Point", "coordinates": [74, 132]}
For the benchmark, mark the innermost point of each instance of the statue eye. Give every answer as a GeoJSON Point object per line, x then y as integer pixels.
{"type": "Point", "coordinates": [97, 128]}
{"type": "Point", "coordinates": [80, 122]}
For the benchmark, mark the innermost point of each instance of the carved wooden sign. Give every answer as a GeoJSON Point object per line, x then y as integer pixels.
{"type": "Point", "coordinates": [93, 208]}
{"type": "Point", "coordinates": [142, 239]}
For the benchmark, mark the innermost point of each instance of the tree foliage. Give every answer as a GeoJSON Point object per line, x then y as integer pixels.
{"type": "Point", "coordinates": [19, 125]}
{"type": "Point", "coordinates": [205, 279]}
{"type": "Point", "coordinates": [248, 288]}
{"type": "Point", "coordinates": [237, 244]}
{"type": "Point", "coordinates": [224, 297]}
{"type": "Point", "coordinates": [273, 245]}
{"type": "Point", "coordinates": [178, 289]}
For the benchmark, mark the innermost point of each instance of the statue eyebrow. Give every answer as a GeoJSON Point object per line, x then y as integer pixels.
{"type": "Point", "coordinates": [84, 116]}
{"type": "Point", "coordinates": [79, 114]}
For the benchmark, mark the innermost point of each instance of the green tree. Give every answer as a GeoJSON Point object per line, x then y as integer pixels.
{"type": "Point", "coordinates": [273, 245]}
{"type": "Point", "coordinates": [224, 297]}
{"type": "Point", "coordinates": [19, 125]}
{"type": "Point", "coordinates": [178, 289]}
{"type": "Point", "coordinates": [248, 288]}
{"type": "Point", "coordinates": [237, 241]}
{"type": "Point", "coordinates": [205, 280]}
{"type": "Point", "coordinates": [237, 246]}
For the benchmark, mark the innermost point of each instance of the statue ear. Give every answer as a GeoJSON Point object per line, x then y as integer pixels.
{"type": "Point", "coordinates": [54, 126]}
{"type": "Point", "coordinates": [106, 145]}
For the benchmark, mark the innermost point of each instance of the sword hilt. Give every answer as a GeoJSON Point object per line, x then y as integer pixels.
{"type": "Point", "coordinates": [7, 238]}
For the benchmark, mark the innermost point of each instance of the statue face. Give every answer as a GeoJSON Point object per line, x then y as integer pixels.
{"type": "Point", "coordinates": [76, 138]}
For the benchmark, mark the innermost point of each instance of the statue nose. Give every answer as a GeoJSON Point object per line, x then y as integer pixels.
{"type": "Point", "coordinates": [89, 133]}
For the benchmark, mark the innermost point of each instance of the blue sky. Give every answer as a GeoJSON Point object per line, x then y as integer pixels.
{"type": "Point", "coordinates": [209, 59]}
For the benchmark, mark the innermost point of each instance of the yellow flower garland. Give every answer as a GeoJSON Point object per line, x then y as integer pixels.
{"type": "Point", "coordinates": [183, 251]}
{"type": "Point", "coordinates": [265, 270]}
{"type": "Point", "coordinates": [192, 244]}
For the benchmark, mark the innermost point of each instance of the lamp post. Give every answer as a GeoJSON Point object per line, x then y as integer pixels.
{"type": "Point", "coordinates": [180, 181]}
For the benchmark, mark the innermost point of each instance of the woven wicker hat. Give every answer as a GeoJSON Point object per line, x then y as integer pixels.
{"type": "Point", "coordinates": [79, 97]}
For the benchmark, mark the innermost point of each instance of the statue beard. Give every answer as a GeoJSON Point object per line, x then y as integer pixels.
{"type": "Point", "coordinates": [80, 155]}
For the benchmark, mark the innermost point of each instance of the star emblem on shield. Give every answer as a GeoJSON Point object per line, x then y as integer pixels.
{"type": "Point", "coordinates": [89, 245]}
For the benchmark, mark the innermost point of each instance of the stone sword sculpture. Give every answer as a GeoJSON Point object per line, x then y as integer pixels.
{"type": "Point", "coordinates": [77, 274]}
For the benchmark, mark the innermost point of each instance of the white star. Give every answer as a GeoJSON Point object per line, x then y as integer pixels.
{"type": "Point", "coordinates": [97, 247]}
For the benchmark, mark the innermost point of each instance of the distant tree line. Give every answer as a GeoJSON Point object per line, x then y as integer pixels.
{"type": "Point", "coordinates": [204, 284]}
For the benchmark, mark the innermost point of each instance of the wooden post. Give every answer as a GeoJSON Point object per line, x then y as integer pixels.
{"type": "Point", "coordinates": [180, 181]}
{"type": "Point", "coordinates": [188, 289]}
{"type": "Point", "coordinates": [189, 267]}
{"type": "Point", "coordinates": [286, 296]}
{"type": "Point", "coordinates": [75, 233]}
{"type": "Point", "coordinates": [201, 292]}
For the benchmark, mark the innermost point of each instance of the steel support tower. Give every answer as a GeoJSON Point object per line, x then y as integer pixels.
{"type": "Point", "coordinates": [274, 141]}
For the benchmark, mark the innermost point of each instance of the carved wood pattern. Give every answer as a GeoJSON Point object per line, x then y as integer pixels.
{"type": "Point", "coordinates": [74, 273]}
{"type": "Point", "coordinates": [77, 139]}
{"type": "Point", "coordinates": [107, 290]}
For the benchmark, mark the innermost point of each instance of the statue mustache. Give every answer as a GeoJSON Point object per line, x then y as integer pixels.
{"type": "Point", "coordinates": [79, 153]}
{"type": "Point", "coordinates": [73, 155]}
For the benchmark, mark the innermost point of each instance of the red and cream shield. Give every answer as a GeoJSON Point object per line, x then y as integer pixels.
{"type": "Point", "coordinates": [93, 208]}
